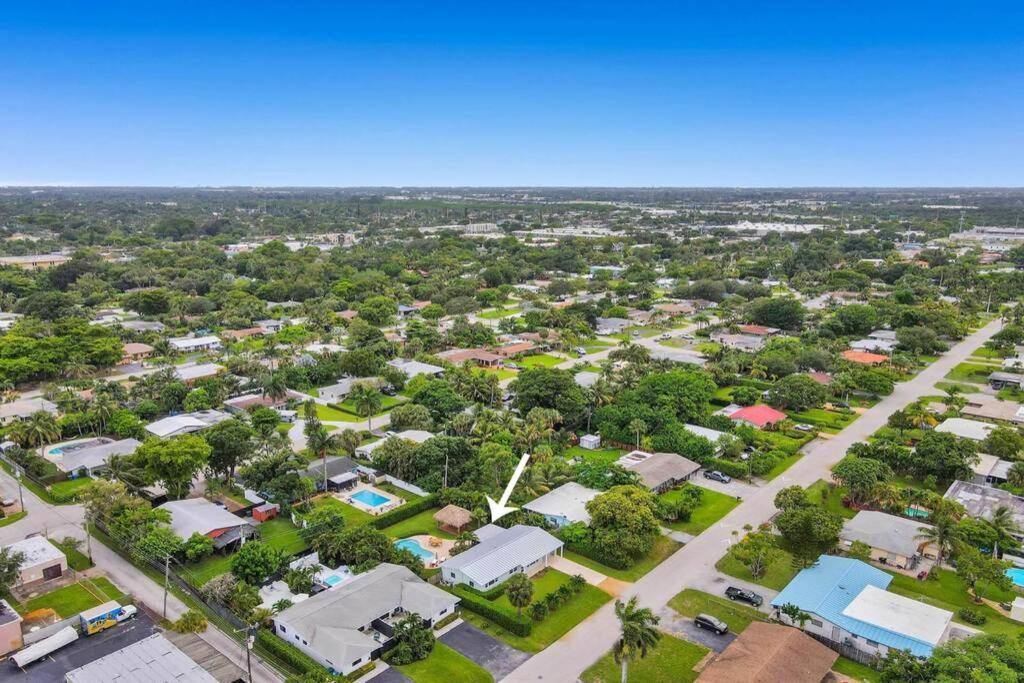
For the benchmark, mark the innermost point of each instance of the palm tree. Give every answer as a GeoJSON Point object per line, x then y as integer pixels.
{"type": "Point", "coordinates": [1003, 523]}
{"type": "Point", "coordinates": [38, 429]}
{"type": "Point", "coordinates": [76, 367]}
{"type": "Point", "coordinates": [274, 386]}
{"type": "Point", "coordinates": [367, 401]}
{"type": "Point", "coordinates": [638, 427]}
{"type": "Point", "coordinates": [103, 407]}
{"type": "Point", "coordinates": [638, 633]}
{"type": "Point", "coordinates": [122, 468]}
{"type": "Point", "coordinates": [519, 590]}
{"type": "Point", "coordinates": [1015, 475]}
{"type": "Point", "coordinates": [942, 534]}
{"type": "Point", "coordinates": [348, 441]}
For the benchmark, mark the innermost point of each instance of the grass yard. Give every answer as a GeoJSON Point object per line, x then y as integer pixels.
{"type": "Point", "coordinates": [547, 581]}
{"type": "Point", "coordinates": [280, 533]}
{"type": "Point", "coordinates": [386, 404]}
{"type": "Point", "coordinates": [663, 547]}
{"type": "Point", "coordinates": [407, 496]}
{"type": "Point", "coordinates": [713, 506]}
{"type": "Point", "coordinates": [498, 313]}
{"type": "Point", "coordinates": [671, 661]}
{"type": "Point", "coordinates": [208, 568]}
{"type": "Point", "coordinates": [557, 623]}
{"type": "Point", "coordinates": [502, 373]}
{"type": "Point", "coordinates": [423, 523]}
{"type": "Point", "coordinates": [540, 360]}
{"type": "Point", "coordinates": [596, 346]}
{"type": "Point", "coordinates": [66, 490]}
{"type": "Point", "coordinates": [778, 574]}
{"type": "Point", "coordinates": [11, 519]}
{"type": "Point", "coordinates": [329, 414]}
{"type": "Point", "coordinates": [77, 560]}
{"type": "Point", "coordinates": [830, 498]}
{"type": "Point", "coordinates": [828, 419]}
{"type": "Point", "coordinates": [987, 353]}
{"type": "Point", "coordinates": [948, 592]}
{"type": "Point", "coordinates": [353, 515]}
{"type": "Point", "coordinates": [855, 671]}
{"type": "Point", "coordinates": [445, 665]}
{"type": "Point", "coordinates": [78, 597]}
{"type": "Point", "coordinates": [975, 373]}
{"type": "Point", "coordinates": [600, 455]}
{"type": "Point", "coordinates": [782, 466]}
{"type": "Point", "coordinates": [690, 603]}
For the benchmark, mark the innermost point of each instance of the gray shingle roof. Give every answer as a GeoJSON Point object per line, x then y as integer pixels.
{"type": "Point", "coordinates": [885, 532]}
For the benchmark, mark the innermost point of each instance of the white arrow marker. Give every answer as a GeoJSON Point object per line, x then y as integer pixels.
{"type": "Point", "coordinates": [499, 510]}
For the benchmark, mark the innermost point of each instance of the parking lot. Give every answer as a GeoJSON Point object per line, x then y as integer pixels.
{"type": "Point", "coordinates": [51, 669]}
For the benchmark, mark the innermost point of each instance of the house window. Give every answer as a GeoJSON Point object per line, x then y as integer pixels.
{"type": "Point", "coordinates": [442, 611]}
{"type": "Point", "coordinates": [357, 661]}
{"type": "Point", "coordinates": [296, 637]}
{"type": "Point", "coordinates": [283, 629]}
{"type": "Point", "coordinates": [871, 642]}
{"type": "Point", "coordinates": [816, 623]}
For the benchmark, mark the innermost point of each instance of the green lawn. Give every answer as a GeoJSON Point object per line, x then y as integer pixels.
{"type": "Point", "coordinates": [778, 574]}
{"type": "Point", "coordinates": [545, 582]}
{"type": "Point", "coordinates": [948, 592]}
{"type": "Point", "coordinates": [11, 519]}
{"type": "Point", "coordinates": [423, 523]}
{"type": "Point", "coordinates": [540, 360]}
{"type": "Point", "coordinates": [407, 496]}
{"type": "Point", "coordinates": [690, 603]}
{"type": "Point", "coordinates": [855, 671]}
{"type": "Point", "coordinates": [990, 354]}
{"type": "Point", "coordinates": [502, 373]}
{"type": "Point", "coordinates": [663, 547]}
{"type": "Point", "coordinates": [782, 466]}
{"type": "Point", "coordinates": [445, 665]}
{"type": "Point", "coordinates": [975, 373]}
{"type": "Point", "coordinates": [600, 455]}
{"type": "Point", "coordinates": [209, 567]}
{"type": "Point", "coordinates": [831, 498]}
{"type": "Point", "coordinates": [596, 346]}
{"type": "Point", "coordinates": [353, 515]}
{"type": "Point", "coordinates": [671, 661]}
{"type": "Point", "coordinates": [498, 313]}
{"type": "Point", "coordinates": [78, 597]}
{"type": "Point", "coordinates": [557, 623]}
{"type": "Point", "coordinates": [829, 419]}
{"type": "Point", "coordinates": [66, 490]}
{"type": "Point", "coordinates": [386, 404]}
{"type": "Point", "coordinates": [334, 415]}
{"type": "Point", "coordinates": [280, 533]}
{"type": "Point", "coordinates": [713, 506]}
{"type": "Point", "coordinates": [77, 560]}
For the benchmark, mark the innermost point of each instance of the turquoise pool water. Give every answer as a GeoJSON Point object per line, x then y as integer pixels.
{"type": "Point", "coordinates": [413, 546]}
{"type": "Point", "coordinates": [55, 451]}
{"type": "Point", "coordinates": [369, 498]}
{"type": "Point", "coordinates": [333, 580]}
{"type": "Point", "coordinates": [1016, 575]}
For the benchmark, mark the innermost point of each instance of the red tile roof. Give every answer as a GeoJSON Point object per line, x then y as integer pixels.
{"type": "Point", "coordinates": [864, 357]}
{"type": "Point", "coordinates": [760, 415]}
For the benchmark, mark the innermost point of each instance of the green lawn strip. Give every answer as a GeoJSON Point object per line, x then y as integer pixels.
{"type": "Point", "coordinates": [782, 466]}
{"type": "Point", "coordinates": [553, 627]}
{"type": "Point", "coordinates": [778, 574]}
{"type": "Point", "coordinates": [855, 671]}
{"type": "Point", "coordinates": [445, 665]}
{"type": "Point", "coordinates": [502, 373]}
{"type": "Point", "coordinates": [77, 597]}
{"type": "Point", "coordinates": [670, 661]}
{"type": "Point", "coordinates": [663, 547]}
{"type": "Point", "coordinates": [386, 404]}
{"type": "Point", "coordinates": [820, 417]}
{"type": "Point", "coordinates": [498, 313]}
{"type": "Point", "coordinates": [948, 592]}
{"type": "Point", "coordinates": [208, 568]}
{"type": "Point", "coordinates": [600, 455]}
{"type": "Point", "coordinates": [11, 519]}
{"type": "Point", "coordinates": [690, 603]}
{"type": "Point", "coordinates": [77, 560]}
{"type": "Point", "coordinates": [423, 523]}
{"type": "Point", "coordinates": [547, 581]}
{"type": "Point", "coordinates": [407, 496]}
{"type": "Point", "coordinates": [65, 490]}
{"type": "Point", "coordinates": [976, 373]}
{"type": "Point", "coordinates": [334, 415]}
{"type": "Point", "coordinates": [280, 533]}
{"type": "Point", "coordinates": [830, 498]}
{"type": "Point", "coordinates": [541, 360]}
{"type": "Point", "coordinates": [990, 354]}
{"type": "Point", "coordinates": [713, 506]}
{"type": "Point", "coordinates": [353, 515]}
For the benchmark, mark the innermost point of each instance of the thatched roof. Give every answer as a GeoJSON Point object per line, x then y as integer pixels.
{"type": "Point", "coordinates": [453, 516]}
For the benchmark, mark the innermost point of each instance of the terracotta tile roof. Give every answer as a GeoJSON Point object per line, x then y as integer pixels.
{"type": "Point", "coordinates": [864, 357]}
{"type": "Point", "coordinates": [768, 653]}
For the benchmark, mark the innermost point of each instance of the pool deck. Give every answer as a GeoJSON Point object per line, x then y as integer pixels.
{"type": "Point", "coordinates": [346, 497]}
{"type": "Point", "coordinates": [441, 550]}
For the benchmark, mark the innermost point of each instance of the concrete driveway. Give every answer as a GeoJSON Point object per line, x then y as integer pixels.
{"type": "Point", "coordinates": [489, 652]}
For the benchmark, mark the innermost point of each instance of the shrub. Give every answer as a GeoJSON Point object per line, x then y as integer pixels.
{"type": "Point", "coordinates": [733, 469]}
{"type": "Point", "coordinates": [538, 611]}
{"type": "Point", "coordinates": [520, 626]}
{"type": "Point", "coordinates": [597, 554]}
{"type": "Point", "coordinates": [404, 512]}
{"type": "Point", "coordinates": [190, 622]}
{"type": "Point", "coordinates": [972, 616]}
{"type": "Point", "coordinates": [287, 654]}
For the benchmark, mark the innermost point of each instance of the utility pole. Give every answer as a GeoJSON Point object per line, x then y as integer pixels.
{"type": "Point", "coordinates": [21, 492]}
{"type": "Point", "coordinates": [167, 575]}
{"type": "Point", "coordinates": [88, 539]}
{"type": "Point", "coordinates": [249, 638]}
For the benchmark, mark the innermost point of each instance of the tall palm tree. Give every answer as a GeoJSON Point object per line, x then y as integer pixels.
{"type": "Point", "coordinates": [274, 386]}
{"type": "Point", "coordinates": [638, 427]}
{"type": "Point", "coordinates": [367, 401]}
{"type": "Point", "coordinates": [38, 429]}
{"type": "Point", "coordinates": [942, 534]}
{"type": "Point", "coordinates": [1003, 523]}
{"type": "Point", "coordinates": [638, 633]}
{"type": "Point", "coordinates": [103, 407]}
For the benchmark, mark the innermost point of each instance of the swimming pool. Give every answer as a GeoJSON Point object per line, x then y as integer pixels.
{"type": "Point", "coordinates": [333, 580]}
{"type": "Point", "coordinates": [413, 546]}
{"type": "Point", "coordinates": [1016, 575]}
{"type": "Point", "coordinates": [55, 451]}
{"type": "Point", "coordinates": [369, 498]}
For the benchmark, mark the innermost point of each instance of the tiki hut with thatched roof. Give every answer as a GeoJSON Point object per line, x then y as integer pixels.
{"type": "Point", "coordinates": [453, 519]}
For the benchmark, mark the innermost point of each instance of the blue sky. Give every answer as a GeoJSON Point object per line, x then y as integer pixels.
{"type": "Point", "coordinates": [437, 93]}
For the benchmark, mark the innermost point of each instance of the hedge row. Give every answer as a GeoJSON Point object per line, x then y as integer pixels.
{"type": "Point", "coordinates": [404, 512]}
{"type": "Point", "coordinates": [597, 554]}
{"type": "Point", "coordinates": [288, 653]}
{"type": "Point", "coordinates": [492, 594]}
{"type": "Point", "coordinates": [730, 467]}
{"type": "Point", "coordinates": [517, 625]}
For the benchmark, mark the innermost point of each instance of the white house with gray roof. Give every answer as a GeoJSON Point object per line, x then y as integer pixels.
{"type": "Point", "coordinates": [200, 516]}
{"type": "Point", "coordinates": [93, 456]}
{"type": "Point", "coordinates": [893, 540]}
{"type": "Point", "coordinates": [500, 554]}
{"type": "Point", "coordinates": [346, 627]}
{"type": "Point", "coordinates": [564, 505]}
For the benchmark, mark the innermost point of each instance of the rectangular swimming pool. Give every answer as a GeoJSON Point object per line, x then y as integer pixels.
{"type": "Point", "coordinates": [1016, 575]}
{"type": "Point", "coordinates": [369, 498]}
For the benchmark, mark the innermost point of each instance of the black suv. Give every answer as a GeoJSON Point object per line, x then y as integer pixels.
{"type": "Point", "coordinates": [734, 593]}
{"type": "Point", "coordinates": [710, 623]}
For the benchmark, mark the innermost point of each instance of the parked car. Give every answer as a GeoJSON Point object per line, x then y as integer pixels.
{"type": "Point", "coordinates": [840, 404]}
{"type": "Point", "coordinates": [581, 351]}
{"type": "Point", "coordinates": [388, 390]}
{"type": "Point", "coordinates": [664, 337]}
{"type": "Point", "coordinates": [710, 623]}
{"type": "Point", "coordinates": [734, 593]}
{"type": "Point", "coordinates": [512, 366]}
{"type": "Point", "coordinates": [804, 427]}
{"type": "Point", "coordinates": [634, 333]}
{"type": "Point", "coordinates": [128, 612]}
{"type": "Point", "coordinates": [715, 475]}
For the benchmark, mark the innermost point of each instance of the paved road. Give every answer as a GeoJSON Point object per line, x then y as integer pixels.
{"type": "Point", "coordinates": [694, 563]}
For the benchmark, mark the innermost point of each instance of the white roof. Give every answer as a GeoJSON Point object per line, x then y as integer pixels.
{"type": "Point", "coordinates": [153, 659]}
{"type": "Point", "coordinates": [186, 423]}
{"type": "Point", "coordinates": [586, 378]}
{"type": "Point", "coordinates": [412, 368]}
{"type": "Point", "coordinates": [187, 372]}
{"type": "Point", "coordinates": [712, 435]}
{"type": "Point", "coordinates": [193, 342]}
{"type": "Point", "coordinates": [501, 551]}
{"type": "Point", "coordinates": [414, 435]}
{"type": "Point", "coordinates": [198, 515]}
{"type": "Point", "coordinates": [568, 500]}
{"type": "Point", "coordinates": [968, 429]}
{"type": "Point", "coordinates": [899, 615]}
{"type": "Point", "coordinates": [38, 550]}
{"type": "Point", "coordinates": [25, 407]}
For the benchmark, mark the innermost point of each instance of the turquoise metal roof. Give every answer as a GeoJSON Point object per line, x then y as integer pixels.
{"type": "Point", "coordinates": [827, 588]}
